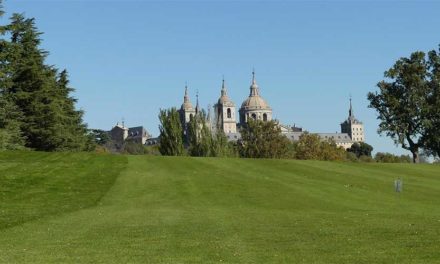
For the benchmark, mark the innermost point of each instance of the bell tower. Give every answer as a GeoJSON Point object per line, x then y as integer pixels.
{"type": "Point", "coordinates": [225, 112]}
{"type": "Point", "coordinates": [187, 112]}
{"type": "Point", "coordinates": [353, 127]}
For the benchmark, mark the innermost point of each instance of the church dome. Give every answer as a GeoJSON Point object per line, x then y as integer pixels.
{"type": "Point", "coordinates": [254, 101]}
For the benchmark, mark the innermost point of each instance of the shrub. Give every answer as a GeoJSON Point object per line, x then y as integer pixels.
{"type": "Point", "coordinates": [391, 158]}
{"type": "Point", "coordinates": [364, 158]}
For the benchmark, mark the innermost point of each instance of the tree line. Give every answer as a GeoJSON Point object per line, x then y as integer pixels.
{"type": "Point", "coordinates": [37, 110]}
{"type": "Point", "coordinates": [259, 139]}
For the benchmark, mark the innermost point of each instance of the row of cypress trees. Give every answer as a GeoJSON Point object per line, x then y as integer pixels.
{"type": "Point", "coordinates": [37, 110]}
{"type": "Point", "coordinates": [195, 140]}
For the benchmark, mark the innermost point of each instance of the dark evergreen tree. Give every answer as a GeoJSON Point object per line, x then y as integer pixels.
{"type": "Point", "coordinates": [71, 120]}
{"type": "Point", "coordinates": [11, 137]}
{"type": "Point", "coordinates": [49, 119]}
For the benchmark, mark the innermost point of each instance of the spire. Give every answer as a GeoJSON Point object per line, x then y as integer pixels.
{"type": "Point", "coordinates": [197, 103]}
{"type": "Point", "coordinates": [350, 112]}
{"type": "Point", "coordinates": [223, 87]}
{"type": "Point", "coordinates": [254, 86]}
{"type": "Point", "coordinates": [186, 97]}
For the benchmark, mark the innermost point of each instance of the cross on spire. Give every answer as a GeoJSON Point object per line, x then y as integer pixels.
{"type": "Point", "coordinates": [254, 86]}
{"type": "Point", "coordinates": [223, 86]}
{"type": "Point", "coordinates": [350, 112]}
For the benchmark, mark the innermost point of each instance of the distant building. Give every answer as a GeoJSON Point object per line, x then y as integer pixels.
{"type": "Point", "coordinates": [138, 135]}
{"type": "Point", "coordinates": [256, 108]}
{"type": "Point", "coordinates": [225, 113]}
{"type": "Point", "coordinates": [353, 127]}
{"type": "Point", "coordinates": [120, 133]}
{"type": "Point", "coordinates": [187, 112]}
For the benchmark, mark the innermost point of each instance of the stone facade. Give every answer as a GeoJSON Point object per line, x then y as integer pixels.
{"type": "Point", "coordinates": [120, 133]}
{"type": "Point", "coordinates": [255, 107]}
{"type": "Point", "coordinates": [225, 113]}
{"type": "Point", "coordinates": [353, 127]}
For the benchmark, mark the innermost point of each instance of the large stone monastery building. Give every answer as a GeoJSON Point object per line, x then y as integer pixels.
{"type": "Point", "coordinates": [255, 107]}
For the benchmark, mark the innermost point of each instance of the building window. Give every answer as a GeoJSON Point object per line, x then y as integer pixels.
{"type": "Point", "coordinates": [264, 117]}
{"type": "Point", "coordinates": [190, 117]}
{"type": "Point", "coordinates": [229, 113]}
{"type": "Point", "coordinates": [254, 116]}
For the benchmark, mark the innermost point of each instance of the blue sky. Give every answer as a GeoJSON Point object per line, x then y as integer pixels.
{"type": "Point", "coordinates": [131, 58]}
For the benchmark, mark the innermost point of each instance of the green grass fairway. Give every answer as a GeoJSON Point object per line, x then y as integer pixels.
{"type": "Point", "coordinates": [85, 208]}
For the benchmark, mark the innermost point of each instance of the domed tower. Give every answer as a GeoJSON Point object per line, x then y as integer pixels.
{"type": "Point", "coordinates": [225, 113]}
{"type": "Point", "coordinates": [255, 106]}
{"type": "Point", "coordinates": [353, 127]}
{"type": "Point", "coordinates": [187, 112]}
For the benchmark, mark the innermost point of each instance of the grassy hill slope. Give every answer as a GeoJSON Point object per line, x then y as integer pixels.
{"type": "Point", "coordinates": [202, 210]}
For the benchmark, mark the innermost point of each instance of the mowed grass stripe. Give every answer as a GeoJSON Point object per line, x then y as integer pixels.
{"type": "Point", "coordinates": [43, 184]}
{"type": "Point", "coordinates": [206, 210]}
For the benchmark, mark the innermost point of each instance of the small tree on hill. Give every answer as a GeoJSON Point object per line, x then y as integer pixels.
{"type": "Point", "coordinates": [361, 149]}
{"type": "Point", "coordinates": [311, 147]}
{"type": "Point", "coordinates": [260, 139]}
{"type": "Point", "coordinates": [171, 133]}
{"type": "Point", "coordinates": [391, 158]}
{"type": "Point", "coordinates": [199, 136]}
{"type": "Point", "coordinates": [308, 147]}
{"type": "Point", "coordinates": [220, 147]}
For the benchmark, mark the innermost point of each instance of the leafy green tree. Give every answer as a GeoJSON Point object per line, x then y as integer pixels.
{"type": "Point", "coordinates": [260, 139]}
{"type": "Point", "coordinates": [308, 147]}
{"type": "Point", "coordinates": [330, 151]}
{"type": "Point", "coordinates": [361, 149]}
{"type": "Point", "coordinates": [171, 133]}
{"type": "Point", "coordinates": [432, 136]}
{"type": "Point", "coordinates": [199, 136]}
{"type": "Point", "coordinates": [220, 147]}
{"type": "Point", "coordinates": [311, 147]}
{"type": "Point", "coordinates": [407, 103]}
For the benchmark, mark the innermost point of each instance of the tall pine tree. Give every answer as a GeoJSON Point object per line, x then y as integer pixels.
{"type": "Point", "coordinates": [50, 121]}
{"type": "Point", "coordinates": [11, 137]}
